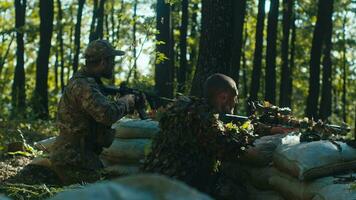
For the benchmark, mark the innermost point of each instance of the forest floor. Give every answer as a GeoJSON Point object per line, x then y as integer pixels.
{"type": "Point", "coordinates": [15, 181]}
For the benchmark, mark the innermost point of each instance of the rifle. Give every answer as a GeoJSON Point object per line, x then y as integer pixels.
{"type": "Point", "coordinates": [235, 119]}
{"type": "Point", "coordinates": [142, 97]}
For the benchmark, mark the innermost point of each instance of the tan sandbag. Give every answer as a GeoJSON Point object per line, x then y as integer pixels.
{"type": "Point", "coordinates": [259, 177]}
{"type": "Point", "coordinates": [136, 128]}
{"type": "Point", "coordinates": [45, 145]}
{"type": "Point", "coordinates": [126, 151]}
{"type": "Point", "coordinates": [262, 151]}
{"type": "Point", "coordinates": [337, 192]}
{"type": "Point", "coordinates": [120, 170]}
{"type": "Point", "coordinates": [311, 160]}
{"type": "Point", "coordinates": [255, 194]}
{"type": "Point", "coordinates": [292, 188]}
{"type": "Point", "coordinates": [136, 187]}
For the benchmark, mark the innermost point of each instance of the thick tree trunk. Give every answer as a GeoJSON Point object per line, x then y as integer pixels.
{"type": "Point", "coordinates": [284, 92]}
{"type": "Point", "coordinates": [257, 60]}
{"type": "Point", "coordinates": [41, 89]}
{"type": "Point", "coordinates": [215, 49]}
{"type": "Point", "coordinates": [238, 24]}
{"type": "Point", "coordinates": [77, 32]}
{"type": "Point", "coordinates": [18, 86]}
{"type": "Point", "coordinates": [271, 54]}
{"type": "Point", "coordinates": [164, 67]}
{"type": "Point", "coordinates": [314, 74]}
{"type": "Point", "coordinates": [182, 75]}
{"type": "Point", "coordinates": [326, 95]}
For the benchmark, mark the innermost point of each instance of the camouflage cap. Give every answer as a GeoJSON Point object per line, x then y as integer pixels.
{"type": "Point", "coordinates": [99, 49]}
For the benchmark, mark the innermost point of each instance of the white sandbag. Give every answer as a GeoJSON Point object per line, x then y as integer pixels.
{"type": "Point", "coordinates": [45, 145]}
{"type": "Point", "coordinates": [136, 128]}
{"type": "Point", "coordinates": [262, 151]}
{"type": "Point", "coordinates": [137, 187]}
{"type": "Point", "coordinates": [311, 160]}
{"type": "Point", "coordinates": [126, 150]}
{"type": "Point", "coordinates": [121, 170]}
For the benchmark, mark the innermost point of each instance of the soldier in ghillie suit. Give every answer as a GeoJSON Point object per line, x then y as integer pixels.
{"type": "Point", "coordinates": [193, 142]}
{"type": "Point", "coordinates": [85, 117]}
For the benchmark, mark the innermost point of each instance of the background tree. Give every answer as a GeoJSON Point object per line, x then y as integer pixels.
{"type": "Point", "coordinates": [40, 95]}
{"type": "Point", "coordinates": [183, 64]}
{"type": "Point", "coordinates": [215, 48]}
{"type": "Point", "coordinates": [271, 52]}
{"type": "Point", "coordinates": [77, 34]}
{"type": "Point", "coordinates": [257, 59]}
{"type": "Point", "coordinates": [18, 86]}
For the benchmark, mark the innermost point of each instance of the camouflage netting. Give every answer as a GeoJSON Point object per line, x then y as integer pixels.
{"type": "Point", "coordinates": [193, 143]}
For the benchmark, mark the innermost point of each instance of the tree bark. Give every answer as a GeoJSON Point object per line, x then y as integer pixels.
{"type": "Point", "coordinates": [238, 24]}
{"type": "Point", "coordinates": [344, 71]}
{"type": "Point", "coordinates": [134, 41]}
{"type": "Point", "coordinates": [215, 48]}
{"type": "Point", "coordinates": [182, 75]}
{"type": "Point", "coordinates": [77, 35]}
{"type": "Point", "coordinates": [326, 94]}
{"type": "Point", "coordinates": [285, 71]}
{"type": "Point", "coordinates": [164, 67]}
{"type": "Point", "coordinates": [99, 34]}
{"type": "Point", "coordinates": [41, 88]}
{"type": "Point", "coordinates": [92, 35]}
{"type": "Point", "coordinates": [314, 74]}
{"type": "Point", "coordinates": [193, 54]}
{"type": "Point", "coordinates": [18, 86]}
{"type": "Point", "coordinates": [292, 66]}
{"type": "Point", "coordinates": [271, 54]}
{"type": "Point", "coordinates": [257, 60]}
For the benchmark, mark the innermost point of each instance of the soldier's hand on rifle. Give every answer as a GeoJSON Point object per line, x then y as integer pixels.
{"type": "Point", "coordinates": [129, 99]}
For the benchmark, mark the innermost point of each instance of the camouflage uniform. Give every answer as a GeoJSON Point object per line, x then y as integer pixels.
{"type": "Point", "coordinates": [84, 118]}
{"type": "Point", "coordinates": [191, 144]}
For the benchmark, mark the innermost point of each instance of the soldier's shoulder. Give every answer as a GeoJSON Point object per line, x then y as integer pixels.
{"type": "Point", "coordinates": [81, 81]}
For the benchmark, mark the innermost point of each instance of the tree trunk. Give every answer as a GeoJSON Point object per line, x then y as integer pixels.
{"type": "Point", "coordinates": [193, 55]}
{"type": "Point", "coordinates": [344, 71]}
{"type": "Point", "coordinates": [285, 71]}
{"type": "Point", "coordinates": [244, 65]}
{"type": "Point", "coordinates": [77, 35]}
{"type": "Point", "coordinates": [99, 34]}
{"type": "Point", "coordinates": [271, 54]}
{"type": "Point", "coordinates": [18, 86]}
{"type": "Point", "coordinates": [326, 96]}
{"type": "Point", "coordinates": [182, 75]}
{"type": "Point", "coordinates": [215, 48]}
{"type": "Point", "coordinates": [238, 24]}
{"type": "Point", "coordinates": [60, 38]}
{"type": "Point", "coordinates": [164, 67]}
{"type": "Point", "coordinates": [314, 74]}
{"type": "Point", "coordinates": [134, 42]}
{"type": "Point", "coordinates": [292, 66]}
{"type": "Point", "coordinates": [92, 35]}
{"type": "Point", "coordinates": [257, 60]}
{"type": "Point", "coordinates": [41, 89]}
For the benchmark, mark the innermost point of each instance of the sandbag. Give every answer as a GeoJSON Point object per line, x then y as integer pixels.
{"type": "Point", "coordinates": [45, 145]}
{"type": "Point", "coordinates": [311, 160]}
{"type": "Point", "coordinates": [337, 192]}
{"type": "Point", "coordinates": [135, 128]}
{"type": "Point", "coordinates": [259, 177]}
{"type": "Point", "coordinates": [121, 170]}
{"type": "Point", "coordinates": [137, 187]}
{"type": "Point", "coordinates": [126, 151]}
{"type": "Point", "coordinates": [262, 151]}
{"type": "Point", "coordinates": [255, 194]}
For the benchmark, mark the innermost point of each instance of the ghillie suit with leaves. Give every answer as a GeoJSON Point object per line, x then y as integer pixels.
{"type": "Point", "coordinates": [193, 143]}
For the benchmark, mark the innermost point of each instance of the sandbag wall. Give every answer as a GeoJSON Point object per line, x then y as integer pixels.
{"type": "Point", "coordinates": [302, 171]}
{"type": "Point", "coordinates": [132, 142]}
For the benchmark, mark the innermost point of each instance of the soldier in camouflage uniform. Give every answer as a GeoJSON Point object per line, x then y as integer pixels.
{"type": "Point", "coordinates": [193, 142]}
{"type": "Point", "coordinates": [85, 117]}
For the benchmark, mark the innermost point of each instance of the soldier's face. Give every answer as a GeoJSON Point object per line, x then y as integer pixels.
{"type": "Point", "coordinates": [108, 67]}
{"type": "Point", "coordinates": [226, 102]}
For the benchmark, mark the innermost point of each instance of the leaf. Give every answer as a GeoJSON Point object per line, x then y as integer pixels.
{"type": "Point", "coordinates": [21, 153]}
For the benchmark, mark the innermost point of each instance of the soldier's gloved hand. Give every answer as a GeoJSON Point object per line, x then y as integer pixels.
{"type": "Point", "coordinates": [129, 99]}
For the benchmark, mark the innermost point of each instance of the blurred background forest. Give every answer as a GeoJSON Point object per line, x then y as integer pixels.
{"type": "Point", "coordinates": [299, 54]}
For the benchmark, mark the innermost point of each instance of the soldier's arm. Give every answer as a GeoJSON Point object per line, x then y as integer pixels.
{"type": "Point", "coordinates": [97, 105]}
